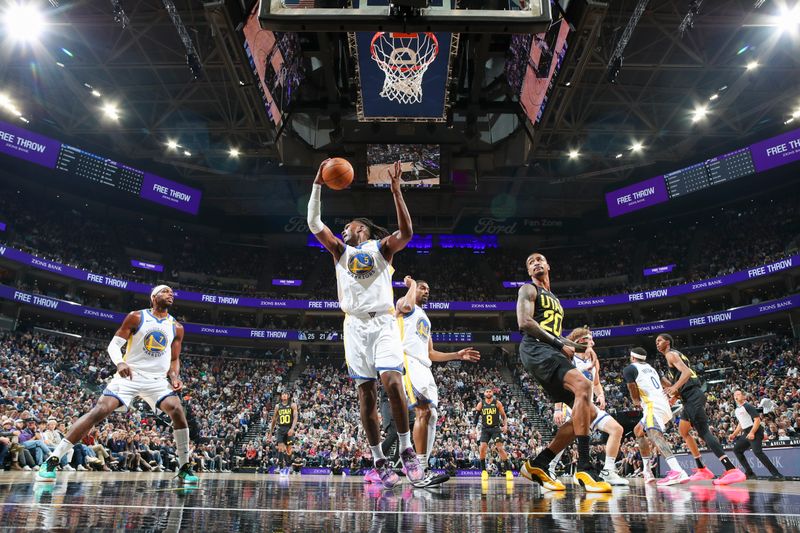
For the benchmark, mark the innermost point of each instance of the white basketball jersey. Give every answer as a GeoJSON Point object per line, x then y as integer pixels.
{"type": "Point", "coordinates": [149, 350]}
{"type": "Point", "coordinates": [586, 366]}
{"type": "Point", "coordinates": [650, 389]}
{"type": "Point", "coordinates": [364, 279]}
{"type": "Point", "coordinates": [415, 329]}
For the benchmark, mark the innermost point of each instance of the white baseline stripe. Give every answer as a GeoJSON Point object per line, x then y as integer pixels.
{"type": "Point", "coordinates": [362, 511]}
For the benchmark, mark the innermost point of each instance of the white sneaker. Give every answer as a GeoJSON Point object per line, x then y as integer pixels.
{"type": "Point", "coordinates": [613, 478]}
{"type": "Point", "coordinates": [68, 468]}
{"type": "Point", "coordinates": [648, 476]}
{"type": "Point", "coordinates": [82, 468]}
{"type": "Point", "coordinates": [27, 468]}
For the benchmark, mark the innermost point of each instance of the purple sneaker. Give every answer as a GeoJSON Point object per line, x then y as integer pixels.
{"type": "Point", "coordinates": [373, 477]}
{"type": "Point", "coordinates": [414, 471]}
{"type": "Point", "coordinates": [386, 474]}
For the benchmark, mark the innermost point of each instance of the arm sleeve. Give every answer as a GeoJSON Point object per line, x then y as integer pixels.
{"type": "Point", "coordinates": [115, 349]}
{"type": "Point", "coordinates": [314, 216]}
{"type": "Point", "coordinates": [629, 374]}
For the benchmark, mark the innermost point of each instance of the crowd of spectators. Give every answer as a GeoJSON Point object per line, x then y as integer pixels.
{"type": "Point", "coordinates": [205, 259]}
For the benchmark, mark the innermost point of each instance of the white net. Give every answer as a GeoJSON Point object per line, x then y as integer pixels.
{"type": "Point", "coordinates": [404, 58]}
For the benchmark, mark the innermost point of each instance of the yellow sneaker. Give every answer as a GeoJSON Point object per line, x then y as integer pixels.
{"type": "Point", "coordinates": [509, 475]}
{"type": "Point", "coordinates": [590, 481]}
{"type": "Point", "coordinates": [540, 476]}
{"type": "Point", "coordinates": [587, 503]}
{"type": "Point", "coordinates": [484, 476]}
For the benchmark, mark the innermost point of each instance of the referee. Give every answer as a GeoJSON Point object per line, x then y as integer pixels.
{"type": "Point", "coordinates": [750, 433]}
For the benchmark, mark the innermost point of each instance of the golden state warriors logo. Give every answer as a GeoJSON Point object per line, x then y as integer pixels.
{"type": "Point", "coordinates": [155, 343]}
{"type": "Point", "coordinates": [423, 329]}
{"type": "Point", "coordinates": [361, 265]}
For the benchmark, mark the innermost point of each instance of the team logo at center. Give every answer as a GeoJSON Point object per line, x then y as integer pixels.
{"type": "Point", "coordinates": [155, 343]}
{"type": "Point", "coordinates": [361, 265]}
{"type": "Point", "coordinates": [423, 329]}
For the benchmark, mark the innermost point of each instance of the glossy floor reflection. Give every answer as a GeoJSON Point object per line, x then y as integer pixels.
{"type": "Point", "coordinates": [234, 502]}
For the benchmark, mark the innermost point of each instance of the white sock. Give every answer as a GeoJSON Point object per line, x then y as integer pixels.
{"type": "Point", "coordinates": [674, 464]}
{"type": "Point", "coordinates": [377, 453]}
{"type": "Point", "coordinates": [62, 449]}
{"type": "Point", "coordinates": [182, 445]}
{"type": "Point", "coordinates": [405, 440]}
{"type": "Point", "coordinates": [423, 459]}
{"type": "Point", "coordinates": [646, 464]}
{"type": "Point", "coordinates": [610, 465]}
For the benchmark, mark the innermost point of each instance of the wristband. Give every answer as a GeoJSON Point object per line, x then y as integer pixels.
{"type": "Point", "coordinates": [557, 343]}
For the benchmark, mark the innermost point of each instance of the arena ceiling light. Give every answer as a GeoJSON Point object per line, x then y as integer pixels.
{"type": "Point", "coordinates": [9, 105]}
{"type": "Point", "coordinates": [637, 146]}
{"type": "Point", "coordinates": [752, 65]}
{"type": "Point", "coordinates": [699, 113]}
{"type": "Point", "coordinates": [233, 152]}
{"type": "Point", "coordinates": [574, 154]}
{"type": "Point", "coordinates": [23, 21]}
{"type": "Point", "coordinates": [187, 153]}
{"type": "Point", "coordinates": [172, 144]}
{"type": "Point", "coordinates": [788, 21]}
{"type": "Point", "coordinates": [111, 111]}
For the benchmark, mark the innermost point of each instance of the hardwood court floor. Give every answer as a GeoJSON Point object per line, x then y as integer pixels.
{"type": "Point", "coordinates": [83, 501]}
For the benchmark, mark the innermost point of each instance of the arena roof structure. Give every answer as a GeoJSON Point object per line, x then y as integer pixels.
{"type": "Point", "coordinates": [639, 87]}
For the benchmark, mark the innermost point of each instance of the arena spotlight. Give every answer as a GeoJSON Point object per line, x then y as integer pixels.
{"type": "Point", "coordinates": [574, 154]}
{"type": "Point", "coordinates": [699, 113]}
{"type": "Point", "coordinates": [233, 152]}
{"type": "Point", "coordinates": [172, 144]}
{"type": "Point", "coordinates": [752, 65]}
{"type": "Point", "coordinates": [187, 153]}
{"type": "Point", "coordinates": [788, 21]}
{"type": "Point", "coordinates": [110, 110]}
{"type": "Point", "coordinates": [23, 21]}
{"type": "Point", "coordinates": [637, 146]}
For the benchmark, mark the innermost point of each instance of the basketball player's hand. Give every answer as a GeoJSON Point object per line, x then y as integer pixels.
{"type": "Point", "coordinates": [318, 180]}
{"type": "Point", "coordinates": [751, 436]}
{"type": "Point", "coordinates": [558, 418]}
{"type": "Point", "coordinates": [124, 370]}
{"type": "Point", "coordinates": [290, 433]}
{"type": "Point", "coordinates": [569, 351]}
{"type": "Point", "coordinates": [504, 429]}
{"type": "Point", "coordinates": [670, 391]}
{"type": "Point", "coordinates": [176, 382]}
{"type": "Point", "coordinates": [395, 174]}
{"type": "Point", "coordinates": [731, 438]}
{"type": "Point", "coordinates": [469, 354]}
{"type": "Point", "coordinates": [601, 402]}
{"type": "Point", "coordinates": [408, 280]}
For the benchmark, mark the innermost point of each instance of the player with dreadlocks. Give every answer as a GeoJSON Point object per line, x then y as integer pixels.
{"type": "Point", "coordinates": [373, 348]}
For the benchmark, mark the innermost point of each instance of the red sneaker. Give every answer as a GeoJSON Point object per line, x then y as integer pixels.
{"type": "Point", "coordinates": [701, 474]}
{"type": "Point", "coordinates": [731, 476]}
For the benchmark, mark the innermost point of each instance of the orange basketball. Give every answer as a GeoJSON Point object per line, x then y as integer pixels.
{"type": "Point", "coordinates": [337, 173]}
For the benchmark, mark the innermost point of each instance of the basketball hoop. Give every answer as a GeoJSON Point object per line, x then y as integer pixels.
{"type": "Point", "coordinates": [404, 58]}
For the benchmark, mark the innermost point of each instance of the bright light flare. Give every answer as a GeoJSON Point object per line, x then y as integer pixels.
{"type": "Point", "coordinates": [23, 22]}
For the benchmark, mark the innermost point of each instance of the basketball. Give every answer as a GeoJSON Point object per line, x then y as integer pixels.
{"type": "Point", "coordinates": [338, 173]}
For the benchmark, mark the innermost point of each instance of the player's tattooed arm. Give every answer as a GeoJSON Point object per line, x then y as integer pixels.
{"type": "Point", "coordinates": [526, 306]}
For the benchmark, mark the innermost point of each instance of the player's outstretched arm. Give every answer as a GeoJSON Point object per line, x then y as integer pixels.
{"type": "Point", "coordinates": [399, 239]}
{"type": "Point", "coordinates": [314, 218]}
{"type": "Point", "coordinates": [465, 354]}
{"type": "Point", "coordinates": [175, 362]}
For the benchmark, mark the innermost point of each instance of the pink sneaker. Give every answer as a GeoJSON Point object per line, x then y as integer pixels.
{"type": "Point", "coordinates": [701, 474]}
{"type": "Point", "coordinates": [387, 475]}
{"type": "Point", "coordinates": [731, 476]}
{"type": "Point", "coordinates": [674, 477]}
{"type": "Point", "coordinates": [372, 477]}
